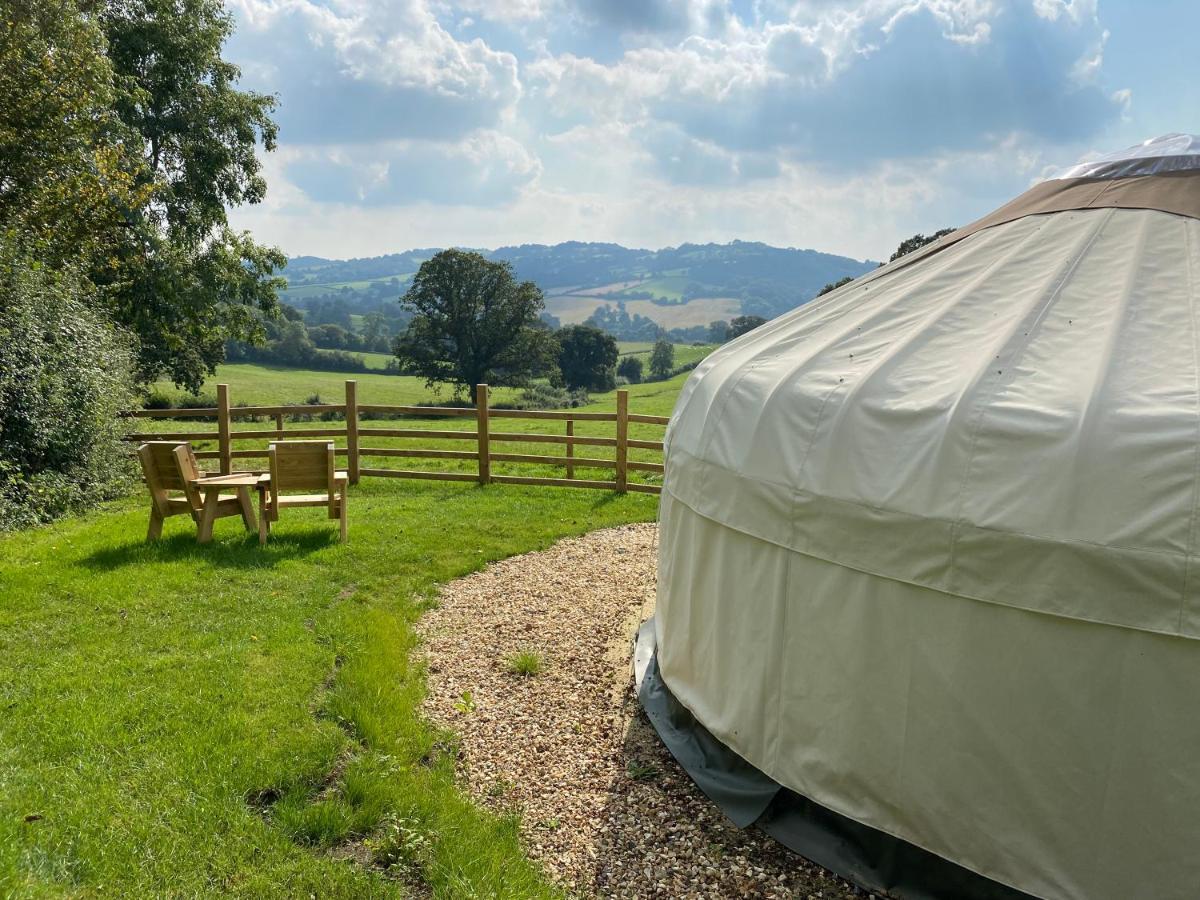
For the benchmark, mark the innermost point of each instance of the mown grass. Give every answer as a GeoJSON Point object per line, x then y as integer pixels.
{"type": "Point", "coordinates": [183, 720]}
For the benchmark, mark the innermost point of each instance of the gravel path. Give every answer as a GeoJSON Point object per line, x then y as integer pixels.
{"type": "Point", "coordinates": [604, 807]}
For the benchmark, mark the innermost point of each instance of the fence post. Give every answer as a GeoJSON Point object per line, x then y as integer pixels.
{"type": "Point", "coordinates": [481, 418]}
{"type": "Point", "coordinates": [570, 448]}
{"type": "Point", "coordinates": [352, 430]}
{"type": "Point", "coordinates": [223, 444]}
{"type": "Point", "coordinates": [622, 440]}
{"type": "Point", "coordinates": [279, 426]}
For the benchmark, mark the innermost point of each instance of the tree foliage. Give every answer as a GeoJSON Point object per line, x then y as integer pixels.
{"type": "Point", "coordinates": [123, 141]}
{"type": "Point", "coordinates": [587, 357]}
{"type": "Point", "coordinates": [64, 374]}
{"type": "Point", "coordinates": [630, 368]}
{"type": "Point", "coordinates": [68, 176]}
{"type": "Point", "coordinates": [718, 331]}
{"type": "Point", "coordinates": [662, 359]}
{"type": "Point", "coordinates": [916, 242]}
{"type": "Point", "coordinates": [739, 325]}
{"type": "Point", "coordinates": [184, 281]}
{"type": "Point", "coordinates": [473, 323]}
{"type": "Point", "coordinates": [834, 285]}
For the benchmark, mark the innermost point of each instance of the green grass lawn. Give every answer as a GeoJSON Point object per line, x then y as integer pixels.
{"type": "Point", "coordinates": [225, 719]}
{"type": "Point", "coordinates": [183, 719]}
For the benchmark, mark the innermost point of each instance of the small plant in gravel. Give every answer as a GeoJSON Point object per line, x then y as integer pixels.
{"type": "Point", "coordinates": [465, 704]}
{"type": "Point", "coordinates": [500, 787]}
{"type": "Point", "coordinates": [551, 824]}
{"type": "Point", "coordinates": [525, 663]}
{"type": "Point", "coordinates": [641, 771]}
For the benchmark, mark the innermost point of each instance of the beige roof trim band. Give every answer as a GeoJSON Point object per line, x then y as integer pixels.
{"type": "Point", "coordinates": [1176, 192]}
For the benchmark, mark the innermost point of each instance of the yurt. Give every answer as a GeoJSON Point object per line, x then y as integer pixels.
{"type": "Point", "coordinates": [928, 604]}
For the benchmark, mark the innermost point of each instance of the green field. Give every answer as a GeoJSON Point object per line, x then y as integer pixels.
{"type": "Point", "coordinates": [313, 289]}
{"type": "Point", "coordinates": [263, 385]}
{"type": "Point", "coordinates": [685, 354]}
{"type": "Point", "coordinates": [572, 309]}
{"type": "Point", "coordinates": [669, 286]}
{"type": "Point", "coordinates": [374, 360]}
{"type": "Point", "coordinates": [225, 719]}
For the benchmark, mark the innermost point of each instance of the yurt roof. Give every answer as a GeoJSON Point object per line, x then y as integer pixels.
{"type": "Point", "coordinates": [1011, 414]}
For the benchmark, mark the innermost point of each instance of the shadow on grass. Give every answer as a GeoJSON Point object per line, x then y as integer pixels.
{"type": "Point", "coordinates": [241, 553]}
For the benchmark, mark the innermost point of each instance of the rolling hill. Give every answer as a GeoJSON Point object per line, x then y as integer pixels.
{"type": "Point", "coordinates": [634, 290]}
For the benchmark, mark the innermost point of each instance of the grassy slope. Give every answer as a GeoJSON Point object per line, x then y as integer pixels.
{"type": "Point", "coordinates": [153, 695]}
{"type": "Point", "coordinates": [264, 385]}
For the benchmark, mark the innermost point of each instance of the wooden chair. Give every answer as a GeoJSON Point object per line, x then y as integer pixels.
{"type": "Point", "coordinates": [301, 466]}
{"type": "Point", "coordinates": [171, 467]}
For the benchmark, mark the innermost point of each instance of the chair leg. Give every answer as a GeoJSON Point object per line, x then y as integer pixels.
{"type": "Point", "coordinates": [342, 515]}
{"type": "Point", "coordinates": [154, 532]}
{"type": "Point", "coordinates": [264, 518]}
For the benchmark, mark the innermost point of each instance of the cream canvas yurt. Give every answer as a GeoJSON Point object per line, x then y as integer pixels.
{"type": "Point", "coordinates": [929, 585]}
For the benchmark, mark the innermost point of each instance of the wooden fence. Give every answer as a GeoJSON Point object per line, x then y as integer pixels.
{"type": "Point", "coordinates": [484, 437]}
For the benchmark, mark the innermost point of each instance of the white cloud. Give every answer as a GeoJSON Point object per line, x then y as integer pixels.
{"type": "Point", "coordinates": [364, 70]}
{"type": "Point", "coordinates": [485, 168]}
{"type": "Point", "coordinates": [819, 123]}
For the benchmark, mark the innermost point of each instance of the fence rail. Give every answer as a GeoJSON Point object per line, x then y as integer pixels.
{"type": "Point", "coordinates": [483, 437]}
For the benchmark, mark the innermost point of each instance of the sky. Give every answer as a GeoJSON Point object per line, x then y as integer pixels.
{"type": "Point", "coordinates": [842, 127]}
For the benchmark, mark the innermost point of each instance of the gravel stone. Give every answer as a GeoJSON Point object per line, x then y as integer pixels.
{"type": "Point", "coordinates": [604, 807]}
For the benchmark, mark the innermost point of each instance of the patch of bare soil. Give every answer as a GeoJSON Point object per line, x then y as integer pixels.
{"type": "Point", "coordinates": [604, 807]}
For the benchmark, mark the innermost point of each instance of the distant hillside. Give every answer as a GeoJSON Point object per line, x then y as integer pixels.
{"type": "Point", "coordinates": [628, 291]}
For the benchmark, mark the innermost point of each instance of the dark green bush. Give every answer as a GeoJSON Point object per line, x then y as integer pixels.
{"type": "Point", "coordinates": [630, 368]}
{"type": "Point", "coordinates": [540, 395]}
{"type": "Point", "coordinates": [65, 374]}
{"type": "Point", "coordinates": [158, 400]}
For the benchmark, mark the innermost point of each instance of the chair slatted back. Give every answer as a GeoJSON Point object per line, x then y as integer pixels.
{"type": "Point", "coordinates": [170, 466]}
{"type": "Point", "coordinates": [301, 466]}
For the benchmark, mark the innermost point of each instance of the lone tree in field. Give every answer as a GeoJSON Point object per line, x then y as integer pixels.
{"type": "Point", "coordinates": [587, 357]}
{"type": "Point", "coordinates": [662, 359]}
{"type": "Point", "coordinates": [630, 368]}
{"type": "Point", "coordinates": [473, 323]}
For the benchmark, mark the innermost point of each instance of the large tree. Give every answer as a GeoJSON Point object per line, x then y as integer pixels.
{"type": "Point", "coordinates": [473, 323]}
{"type": "Point", "coordinates": [587, 357]}
{"type": "Point", "coordinates": [183, 281]}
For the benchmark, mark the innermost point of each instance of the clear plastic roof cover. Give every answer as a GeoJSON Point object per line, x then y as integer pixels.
{"type": "Point", "coordinates": [1168, 153]}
